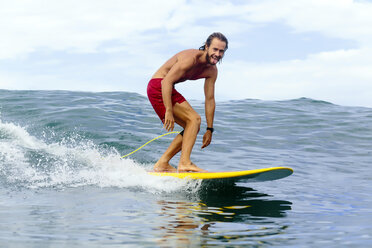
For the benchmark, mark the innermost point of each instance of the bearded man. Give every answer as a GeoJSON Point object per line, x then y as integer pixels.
{"type": "Point", "coordinates": [172, 107]}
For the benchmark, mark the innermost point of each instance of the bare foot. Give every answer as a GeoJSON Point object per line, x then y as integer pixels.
{"type": "Point", "coordinates": [164, 167]}
{"type": "Point", "coordinates": [190, 168]}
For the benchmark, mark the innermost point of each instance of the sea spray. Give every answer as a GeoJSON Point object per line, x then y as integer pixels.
{"type": "Point", "coordinates": [27, 161]}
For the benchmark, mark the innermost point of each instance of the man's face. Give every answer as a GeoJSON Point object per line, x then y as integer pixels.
{"type": "Point", "coordinates": [215, 51]}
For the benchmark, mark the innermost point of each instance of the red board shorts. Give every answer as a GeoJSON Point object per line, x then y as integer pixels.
{"type": "Point", "coordinates": [156, 98]}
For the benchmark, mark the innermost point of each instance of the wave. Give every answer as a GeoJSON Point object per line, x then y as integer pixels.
{"type": "Point", "coordinates": [71, 139]}
{"type": "Point", "coordinates": [29, 162]}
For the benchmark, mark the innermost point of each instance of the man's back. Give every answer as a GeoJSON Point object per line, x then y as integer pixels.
{"type": "Point", "coordinates": [191, 59]}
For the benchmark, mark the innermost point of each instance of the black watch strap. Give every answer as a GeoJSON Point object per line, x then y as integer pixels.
{"type": "Point", "coordinates": [210, 129]}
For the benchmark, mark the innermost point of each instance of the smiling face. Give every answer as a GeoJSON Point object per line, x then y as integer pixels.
{"type": "Point", "coordinates": [215, 51]}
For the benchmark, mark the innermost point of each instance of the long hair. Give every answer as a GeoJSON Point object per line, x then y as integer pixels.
{"type": "Point", "coordinates": [217, 35]}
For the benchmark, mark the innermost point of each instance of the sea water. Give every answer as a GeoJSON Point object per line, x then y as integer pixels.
{"type": "Point", "coordinates": [64, 184]}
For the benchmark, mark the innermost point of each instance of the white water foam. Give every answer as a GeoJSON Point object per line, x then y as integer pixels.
{"type": "Point", "coordinates": [26, 161]}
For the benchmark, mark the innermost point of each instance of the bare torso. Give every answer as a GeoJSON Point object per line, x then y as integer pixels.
{"type": "Point", "coordinates": [197, 71]}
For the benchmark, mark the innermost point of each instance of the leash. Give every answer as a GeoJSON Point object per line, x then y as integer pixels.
{"type": "Point", "coordinates": [148, 143]}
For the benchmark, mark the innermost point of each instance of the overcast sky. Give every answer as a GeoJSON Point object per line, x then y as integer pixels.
{"type": "Point", "coordinates": [278, 49]}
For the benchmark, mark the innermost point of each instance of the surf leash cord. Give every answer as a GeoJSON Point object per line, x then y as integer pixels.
{"type": "Point", "coordinates": [148, 142]}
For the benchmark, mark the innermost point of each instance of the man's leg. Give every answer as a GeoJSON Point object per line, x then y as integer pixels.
{"type": "Point", "coordinates": [187, 117]}
{"type": "Point", "coordinates": [163, 163]}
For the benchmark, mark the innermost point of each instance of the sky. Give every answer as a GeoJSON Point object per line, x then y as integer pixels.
{"type": "Point", "coordinates": [278, 49]}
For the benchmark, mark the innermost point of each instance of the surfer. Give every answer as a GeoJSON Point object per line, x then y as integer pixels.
{"type": "Point", "coordinates": [172, 107]}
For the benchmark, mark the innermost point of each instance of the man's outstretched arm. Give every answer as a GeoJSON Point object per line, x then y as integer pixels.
{"type": "Point", "coordinates": [210, 106]}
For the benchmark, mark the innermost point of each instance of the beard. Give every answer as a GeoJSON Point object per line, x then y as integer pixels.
{"type": "Point", "coordinates": [209, 59]}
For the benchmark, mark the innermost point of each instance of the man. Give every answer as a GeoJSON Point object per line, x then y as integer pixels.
{"type": "Point", "coordinates": [172, 107]}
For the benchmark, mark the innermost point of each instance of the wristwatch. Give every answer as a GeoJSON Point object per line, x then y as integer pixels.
{"type": "Point", "coordinates": [210, 129]}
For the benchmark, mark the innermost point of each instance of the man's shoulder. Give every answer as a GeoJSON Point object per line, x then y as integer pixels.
{"type": "Point", "coordinates": [189, 56]}
{"type": "Point", "coordinates": [189, 53]}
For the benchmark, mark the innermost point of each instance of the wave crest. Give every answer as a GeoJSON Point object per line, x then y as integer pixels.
{"type": "Point", "coordinates": [29, 162]}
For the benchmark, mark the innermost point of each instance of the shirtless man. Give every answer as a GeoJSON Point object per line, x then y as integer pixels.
{"type": "Point", "coordinates": [172, 107]}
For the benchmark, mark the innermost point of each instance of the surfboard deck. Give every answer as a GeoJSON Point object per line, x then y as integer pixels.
{"type": "Point", "coordinates": [258, 175]}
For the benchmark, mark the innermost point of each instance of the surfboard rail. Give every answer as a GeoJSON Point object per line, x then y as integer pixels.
{"type": "Point", "coordinates": [265, 174]}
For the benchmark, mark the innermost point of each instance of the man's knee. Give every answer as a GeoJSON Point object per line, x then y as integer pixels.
{"type": "Point", "coordinates": [197, 121]}
{"type": "Point", "coordinates": [194, 120]}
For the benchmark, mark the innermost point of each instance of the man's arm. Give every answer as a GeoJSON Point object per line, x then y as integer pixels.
{"type": "Point", "coordinates": [175, 73]}
{"type": "Point", "coordinates": [210, 106]}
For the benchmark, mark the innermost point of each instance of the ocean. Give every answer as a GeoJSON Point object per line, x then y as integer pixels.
{"type": "Point", "coordinates": [64, 184]}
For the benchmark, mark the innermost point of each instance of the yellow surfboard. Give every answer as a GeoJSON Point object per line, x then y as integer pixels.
{"type": "Point", "coordinates": [258, 175]}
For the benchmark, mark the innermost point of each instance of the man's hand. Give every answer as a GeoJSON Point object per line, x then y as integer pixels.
{"type": "Point", "coordinates": [207, 138]}
{"type": "Point", "coordinates": [168, 121]}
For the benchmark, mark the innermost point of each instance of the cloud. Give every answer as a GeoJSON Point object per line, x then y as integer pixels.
{"type": "Point", "coordinates": [86, 26]}
{"type": "Point", "coordinates": [341, 77]}
{"type": "Point", "coordinates": [345, 19]}
{"type": "Point", "coordinates": [117, 45]}
{"type": "Point", "coordinates": [77, 27]}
